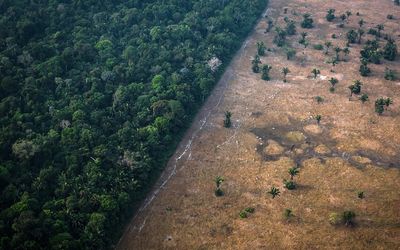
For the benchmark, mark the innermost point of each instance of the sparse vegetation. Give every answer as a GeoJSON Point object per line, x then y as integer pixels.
{"type": "Point", "coordinates": [355, 88]}
{"type": "Point", "coordinates": [364, 98]}
{"type": "Point", "coordinates": [261, 48]}
{"type": "Point", "coordinates": [364, 69]}
{"type": "Point", "coordinates": [390, 50]}
{"type": "Point", "coordinates": [348, 218]}
{"type": "Point", "coordinates": [333, 81]}
{"type": "Point", "coordinates": [256, 64]}
{"type": "Point", "coordinates": [318, 119]}
{"type": "Point", "coordinates": [290, 53]}
{"type": "Point", "coordinates": [335, 219]}
{"type": "Point", "coordinates": [290, 27]}
{"type": "Point", "coordinates": [319, 99]}
{"type": "Point", "coordinates": [381, 103]}
{"type": "Point", "coordinates": [328, 44]}
{"type": "Point", "coordinates": [352, 36]}
{"type": "Point", "coordinates": [289, 184]}
{"type": "Point", "coordinates": [360, 195]}
{"type": "Point", "coordinates": [287, 214]}
{"type": "Point", "coordinates": [280, 37]}
{"type": "Point", "coordinates": [318, 46]}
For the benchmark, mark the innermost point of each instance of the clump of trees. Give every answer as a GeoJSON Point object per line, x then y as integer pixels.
{"type": "Point", "coordinates": [371, 52]}
{"type": "Point", "coordinates": [280, 37]}
{"type": "Point", "coordinates": [390, 74]}
{"type": "Point", "coordinates": [355, 88]}
{"type": "Point", "coordinates": [382, 104]}
{"type": "Point", "coordinates": [290, 27]}
{"type": "Point", "coordinates": [390, 50]}
{"type": "Point", "coordinates": [364, 69]}
{"type": "Point", "coordinates": [352, 36]}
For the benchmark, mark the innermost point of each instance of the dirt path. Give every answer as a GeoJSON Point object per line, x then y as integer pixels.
{"type": "Point", "coordinates": [273, 129]}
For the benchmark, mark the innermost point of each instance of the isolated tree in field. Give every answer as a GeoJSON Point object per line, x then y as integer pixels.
{"type": "Point", "coordinates": [227, 120]}
{"type": "Point", "coordinates": [331, 15]}
{"type": "Point", "coordinates": [360, 32]}
{"type": "Point", "coordinates": [303, 38]}
{"type": "Point", "coordinates": [380, 27]}
{"type": "Point", "coordinates": [379, 105]}
{"type": "Point", "coordinates": [280, 37]}
{"type": "Point", "coordinates": [274, 192]}
{"type": "Point", "coordinates": [337, 51]}
{"type": "Point", "coordinates": [307, 22]}
{"type": "Point", "coordinates": [364, 69]}
{"type": "Point", "coordinates": [355, 88]}
{"type": "Point", "coordinates": [285, 71]}
{"type": "Point", "coordinates": [360, 195]}
{"type": "Point", "coordinates": [346, 52]}
{"type": "Point", "coordinates": [290, 27]}
{"type": "Point", "coordinates": [328, 44]}
{"type": "Point", "coordinates": [319, 99]}
{"type": "Point", "coordinates": [318, 119]}
{"type": "Point", "coordinates": [390, 74]}
{"type": "Point", "coordinates": [364, 98]}
{"type": "Point", "coordinates": [255, 64]}
{"type": "Point", "coordinates": [352, 36]}
{"type": "Point", "coordinates": [290, 53]}
{"type": "Point", "coordinates": [333, 81]}
{"type": "Point", "coordinates": [261, 48]}
{"type": "Point", "coordinates": [293, 171]}
{"type": "Point", "coordinates": [315, 72]}
{"type": "Point", "coordinates": [265, 72]}
{"type": "Point", "coordinates": [348, 218]}
{"type": "Point", "coordinates": [218, 182]}
{"type": "Point", "coordinates": [390, 50]}
{"type": "Point", "coordinates": [361, 22]}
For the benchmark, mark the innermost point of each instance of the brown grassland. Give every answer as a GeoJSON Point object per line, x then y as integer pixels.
{"type": "Point", "coordinates": [273, 128]}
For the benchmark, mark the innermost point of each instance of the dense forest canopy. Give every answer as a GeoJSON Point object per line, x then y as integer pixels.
{"type": "Point", "coordinates": [92, 96]}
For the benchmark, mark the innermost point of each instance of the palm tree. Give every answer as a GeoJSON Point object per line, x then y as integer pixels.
{"type": "Point", "coordinates": [227, 120]}
{"type": "Point", "coordinates": [265, 72]}
{"type": "Point", "coordinates": [348, 218]}
{"type": "Point", "coordinates": [285, 71]}
{"type": "Point", "coordinates": [380, 27]}
{"type": "Point", "coordinates": [361, 22]}
{"type": "Point", "coordinates": [337, 51]}
{"type": "Point", "coordinates": [346, 51]}
{"type": "Point", "coordinates": [274, 192]}
{"type": "Point", "coordinates": [315, 72]}
{"type": "Point", "coordinates": [293, 171]}
{"type": "Point", "coordinates": [261, 48]}
{"type": "Point", "coordinates": [361, 32]}
{"type": "Point", "coordinates": [328, 44]}
{"type": "Point", "coordinates": [318, 118]}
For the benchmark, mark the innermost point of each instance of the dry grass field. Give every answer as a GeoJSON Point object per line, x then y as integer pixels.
{"type": "Point", "coordinates": [273, 128]}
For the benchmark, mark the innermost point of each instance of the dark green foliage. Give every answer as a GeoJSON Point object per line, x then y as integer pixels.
{"type": "Point", "coordinates": [243, 214]}
{"type": "Point", "coordinates": [318, 118]}
{"type": "Point", "coordinates": [289, 184]}
{"type": "Point", "coordinates": [270, 25]}
{"type": "Point", "coordinates": [373, 32]}
{"type": "Point", "coordinates": [381, 103]}
{"type": "Point", "coordinates": [293, 171]}
{"type": "Point", "coordinates": [318, 46]}
{"type": "Point", "coordinates": [333, 81]}
{"type": "Point", "coordinates": [227, 120]}
{"type": "Point", "coordinates": [390, 17]}
{"type": "Point", "coordinates": [261, 48]}
{"type": "Point", "coordinates": [348, 218]}
{"type": "Point", "coordinates": [355, 88]}
{"type": "Point", "coordinates": [319, 99]}
{"type": "Point", "coordinates": [331, 89]}
{"type": "Point", "coordinates": [390, 50]}
{"type": "Point", "coordinates": [290, 53]}
{"type": "Point", "coordinates": [290, 27]}
{"type": "Point", "coordinates": [330, 15]}
{"type": "Point", "coordinates": [364, 69]}
{"type": "Point", "coordinates": [360, 195]}
{"type": "Point", "coordinates": [364, 98]}
{"type": "Point", "coordinates": [280, 37]}
{"type": "Point", "coordinates": [274, 192]}
{"type": "Point", "coordinates": [371, 52]}
{"type": "Point", "coordinates": [352, 36]}
{"type": "Point", "coordinates": [249, 210]}
{"type": "Point", "coordinates": [256, 64]}
{"type": "Point", "coordinates": [360, 32]}
{"type": "Point", "coordinates": [390, 74]}
{"type": "Point", "coordinates": [315, 72]}
{"type": "Point", "coordinates": [303, 39]}
{"type": "Point", "coordinates": [285, 71]}
{"type": "Point", "coordinates": [307, 22]}
{"type": "Point", "coordinates": [94, 96]}
{"type": "Point", "coordinates": [265, 72]}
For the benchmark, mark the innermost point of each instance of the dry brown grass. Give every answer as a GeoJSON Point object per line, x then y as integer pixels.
{"type": "Point", "coordinates": [350, 151]}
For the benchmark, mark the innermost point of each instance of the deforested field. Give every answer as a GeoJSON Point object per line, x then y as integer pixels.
{"type": "Point", "coordinates": [308, 156]}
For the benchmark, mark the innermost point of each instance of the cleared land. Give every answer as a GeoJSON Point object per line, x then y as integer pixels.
{"type": "Point", "coordinates": [273, 129]}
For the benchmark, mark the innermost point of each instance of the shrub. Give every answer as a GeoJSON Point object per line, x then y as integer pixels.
{"type": "Point", "coordinates": [290, 185]}
{"type": "Point", "coordinates": [348, 218]}
{"type": "Point", "coordinates": [249, 210]}
{"type": "Point", "coordinates": [243, 214]}
{"type": "Point", "coordinates": [307, 22]}
{"type": "Point", "coordinates": [364, 98]}
{"type": "Point", "coordinates": [318, 46]}
{"type": "Point", "coordinates": [319, 99]}
{"type": "Point", "coordinates": [360, 194]}
{"type": "Point", "coordinates": [390, 74]}
{"type": "Point", "coordinates": [227, 120]}
{"type": "Point", "coordinates": [335, 219]}
{"type": "Point", "coordinates": [330, 15]}
{"type": "Point", "coordinates": [287, 214]}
